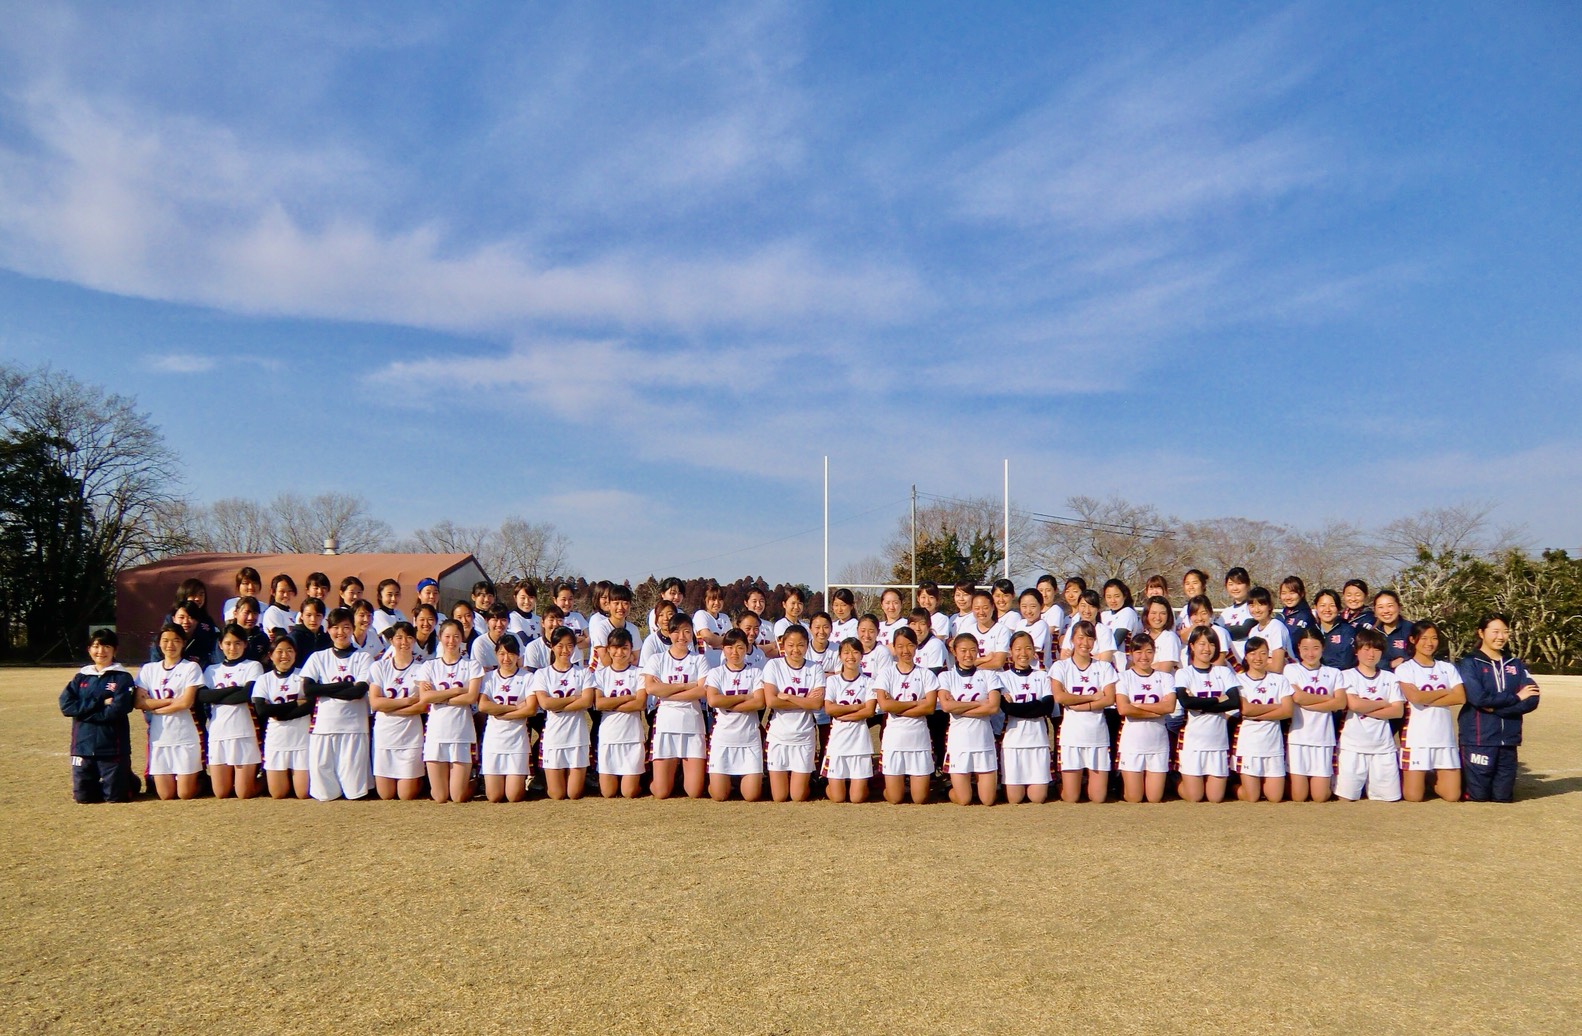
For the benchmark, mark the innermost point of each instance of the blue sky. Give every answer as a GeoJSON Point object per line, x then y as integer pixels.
{"type": "Point", "coordinates": [636, 269]}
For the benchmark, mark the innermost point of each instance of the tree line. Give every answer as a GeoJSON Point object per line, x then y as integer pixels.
{"type": "Point", "coordinates": [89, 487]}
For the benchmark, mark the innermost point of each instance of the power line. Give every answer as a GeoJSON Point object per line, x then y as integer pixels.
{"type": "Point", "coordinates": [1067, 520]}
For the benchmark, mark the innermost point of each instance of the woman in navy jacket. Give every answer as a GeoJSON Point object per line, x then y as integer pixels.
{"type": "Point", "coordinates": [1500, 692]}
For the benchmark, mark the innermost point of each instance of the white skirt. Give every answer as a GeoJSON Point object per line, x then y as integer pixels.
{"type": "Point", "coordinates": [1260, 765]}
{"type": "Point", "coordinates": [565, 758]}
{"type": "Point", "coordinates": [1145, 762]}
{"type": "Point", "coordinates": [1205, 764]}
{"type": "Point", "coordinates": [1376, 773]}
{"type": "Point", "coordinates": [1074, 758]}
{"type": "Point", "coordinates": [848, 767]}
{"type": "Point", "coordinates": [286, 759]}
{"type": "Point", "coordinates": [736, 760]}
{"type": "Point", "coordinates": [1026, 766]}
{"type": "Point", "coordinates": [1311, 760]}
{"type": "Point", "coordinates": [506, 764]}
{"type": "Point", "coordinates": [970, 762]}
{"type": "Point", "coordinates": [447, 752]}
{"type": "Point", "coordinates": [791, 758]}
{"type": "Point", "coordinates": [908, 764]}
{"type": "Point", "coordinates": [679, 746]}
{"type": "Point", "coordinates": [170, 760]}
{"type": "Point", "coordinates": [401, 764]}
{"type": "Point", "coordinates": [234, 751]}
{"type": "Point", "coordinates": [1430, 758]}
{"type": "Point", "coordinates": [622, 758]}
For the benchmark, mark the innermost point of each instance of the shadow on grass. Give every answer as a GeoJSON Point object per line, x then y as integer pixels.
{"type": "Point", "coordinates": [1531, 784]}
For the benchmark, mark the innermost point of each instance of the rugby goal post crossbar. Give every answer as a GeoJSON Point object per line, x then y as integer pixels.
{"type": "Point", "coordinates": [1005, 542]}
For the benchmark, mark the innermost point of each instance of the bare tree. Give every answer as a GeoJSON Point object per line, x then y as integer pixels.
{"type": "Point", "coordinates": [446, 537]}
{"type": "Point", "coordinates": [1105, 539]}
{"type": "Point", "coordinates": [517, 549]}
{"type": "Point", "coordinates": [112, 449]}
{"type": "Point", "coordinates": [1462, 529]}
{"type": "Point", "coordinates": [873, 570]}
{"type": "Point", "coordinates": [528, 550]}
{"type": "Point", "coordinates": [238, 526]}
{"type": "Point", "coordinates": [302, 526]}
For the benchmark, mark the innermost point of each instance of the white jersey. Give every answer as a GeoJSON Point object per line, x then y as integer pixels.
{"type": "Point", "coordinates": [503, 736]}
{"type": "Point", "coordinates": [931, 654]}
{"type": "Point", "coordinates": [993, 641]}
{"type": "Point", "coordinates": [827, 660]}
{"type": "Point", "coordinates": [1365, 734]}
{"type": "Point", "coordinates": [601, 637]}
{"type": "Point", "coordinates": [1144, 734]}
{"type": "Point", "coordinates": [1025, 731]}
{"type": "Point", "coordinates": [392, 731]}
{"type": "Point", "coordinates": [1055, 619]}
{"type": "Point", "coordinates": [735, 729]}
{"type": "Point", "coordinates": [906, 733]}
{"type": "Point", "coordinates": [482, 652]}
{"type": "Point", "coordinates": [331, 715]}
{"type": "Point", "coordinates": [1274, 632]}
{"type": "Point", "coordinates": [228, 722]}
{"type": "Point", "coordinates": [1103, 640]}
{"type": "Point", "coordinates": [968, 733]}
{"type": "Point", "coordinates": [792, 726]}
{"type": "Point", "coordinates": [1044, 652]}
{"type": "Point", "coordinates": [524, 626]}
{"type": "Point", "coordinates": [286, 735]}
{"type": "Point", "coordinates": [939, 625]}
{"type": "Point", "coordinates": [848, 738]}
{"type": "Point", "coordinates": [1167, 648]}
{"type": "Point", "coordinates": [719, 625]}
{"type": "Point", "coordinates": [538, 655]}
{"type": "Point", "coordinates": [1259, 738]}
{"type": "Point", "coordinates": [599, 630]}
{"type": "Point", "coordinates": [1205, 731]}
{"type": "Point", "coordinates": [876, 662]}
{"type": "Point", "coordinates": [1123, 622]}
{"type": "Point", "coordinates": [621, 728]}
{"type": "Point", "coordinates": [451, 724]}
{"type": "Point", "coordinates": [1312, 728]}
{"type": "Point", "coordinates": [842, 629]}
{"type": "Point", "coordinates": [562, 729]}
{"type": "Point", "coordinates": [1235, 615]}
{"type": "Point", "coordinates": [782, 624]}
{"type": "Point", "coordinates": [654, 644]}
{"type": "Point", "coordinates": [887, 628]}
{"type": "Point", "coordinates": [678, 717]}
{"type": "Point", "coordinates": [576, 622]}
{"type": "Point", "coordinates": [277, 618]}
{"type": "Point", "coordinates": [1084, 729]}
{"type": "Point", "coordinates": [1428, 726]}
{"type": "Point", "coordinates": [385, 618]}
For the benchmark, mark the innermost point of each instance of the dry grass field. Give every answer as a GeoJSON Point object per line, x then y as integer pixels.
{"type": "Point", "coordinates": [639, 917]}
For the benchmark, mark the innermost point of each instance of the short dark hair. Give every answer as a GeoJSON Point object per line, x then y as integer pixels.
{"type": "Point", "coordinates": [620, 592]}
{"type": "Point", "coordinates": [106, 637]}
{"type": "Point", "coordinates": [482, 586]}
{"type": "Point", "coordinates": [338, 616]}
{"type": "Point", "coordinates": [1238, 575]}
{"type": "Point", "coordinates": [1260, 595]}
{"type": "Point", "coordinates": [1368, 637]}
{"type": "Point", "coordinates": [618, 638]}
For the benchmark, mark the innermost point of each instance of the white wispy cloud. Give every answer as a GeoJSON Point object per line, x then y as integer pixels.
{"type": "Point", "coordinates": [121, 196]}
{"type": "Point", "coordinates": [202, 363]}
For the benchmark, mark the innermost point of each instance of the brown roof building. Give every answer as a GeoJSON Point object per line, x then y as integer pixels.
{"type": "Point", "coordinates": [146, 594]}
